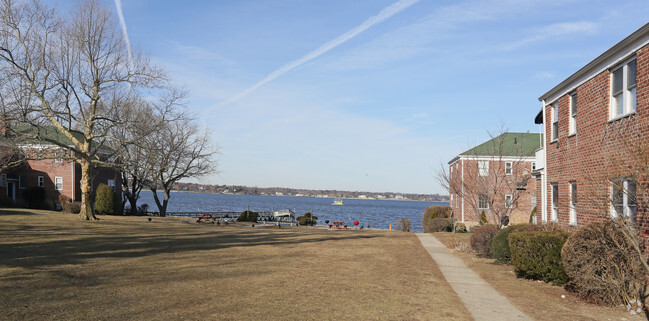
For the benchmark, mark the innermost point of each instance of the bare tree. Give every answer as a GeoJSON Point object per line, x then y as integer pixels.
{"type": "Point", "coordinates": [494, 176]}
{"type": "Point", "coordinates": [77, 75]}
{"type": "Point", "coordinates": [178, 150]}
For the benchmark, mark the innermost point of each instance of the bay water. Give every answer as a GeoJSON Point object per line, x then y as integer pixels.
{"type": "Point", "coordinates": [369, 213]}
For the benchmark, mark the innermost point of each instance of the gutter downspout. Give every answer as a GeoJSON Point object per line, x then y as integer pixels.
{"type": "Point", "coordinates": [462, 159]}
{"type": "Point", "coordinates": [544, 175]}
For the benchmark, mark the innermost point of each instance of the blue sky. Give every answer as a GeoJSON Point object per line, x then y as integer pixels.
{"type": "Point", "coordinates": [367, 95]}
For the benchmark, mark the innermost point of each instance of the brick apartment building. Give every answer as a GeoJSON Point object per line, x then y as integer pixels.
{"type": "Point", "coordinates": [597, 125]}
{"type": "Point", "coordinates": [49, 166]}
{"type": "Point", "coordinates": [495, 177]}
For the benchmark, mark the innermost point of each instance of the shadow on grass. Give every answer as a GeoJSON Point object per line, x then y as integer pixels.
{"type": "Point", "coordinates": [76, 248]}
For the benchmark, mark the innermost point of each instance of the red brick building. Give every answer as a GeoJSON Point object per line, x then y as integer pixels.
{"type": "Point", "coordinates": [597, 124]}
{"type": "Point", "coordinates": [495, 177]}
{"type": "Point", "coordinates": [49, 167]}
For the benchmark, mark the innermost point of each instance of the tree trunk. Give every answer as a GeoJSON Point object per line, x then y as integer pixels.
{"type": "Point", "coordinates": [162, 207]}
{"type": "Point", "coordinates": [87, 212]}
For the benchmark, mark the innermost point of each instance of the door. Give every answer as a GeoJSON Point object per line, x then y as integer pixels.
{"type": "Point", "coordinates": [11, 190]}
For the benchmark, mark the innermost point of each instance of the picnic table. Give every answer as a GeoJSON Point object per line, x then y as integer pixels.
{"type": "Point", "coordinates": [206, 218]}
{"type": "Point", "coordinates": [338, 224]}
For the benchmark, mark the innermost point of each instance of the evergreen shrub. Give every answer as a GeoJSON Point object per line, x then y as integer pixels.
{"type": "Point", "coordinates": [35, 197]}
{"type": "Point", "coordinates": [500, 243]}
{"type": "Point", "coordinates": [104, 200]}
{"type": "Point", "coordinates": [307, 219]}
{"type": "Point", "coordinates": [481, 239]}
{"type": "Point", "coordinates": [483, 218]}
{"type": "Point", "coordinates": [537, 255]}
{"type": "Point", "coordinates": [248, 216]}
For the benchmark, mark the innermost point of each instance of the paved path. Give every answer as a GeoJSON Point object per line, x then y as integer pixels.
{"type": "Point", "coordinates": [478, 296]}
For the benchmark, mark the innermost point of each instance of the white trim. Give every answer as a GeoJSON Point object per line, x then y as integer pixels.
{"type": "Point", "coordinates": [462, 190]}
{"type": "Point", "coordinates": [555, 206]}
{"type": "Point", "coordinates": [498, 158]}
{"type": "Point", "coordinates": [573, 205]}
{"type": "Point", "coordinates": [544, 177]}
{"type": "Point", "coordinates": [56, 187]}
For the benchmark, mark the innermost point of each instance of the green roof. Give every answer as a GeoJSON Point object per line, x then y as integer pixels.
{"type": "Point", "coordinates": [47, 135]}
{"type": "Point", "coordinates": [508, 144]}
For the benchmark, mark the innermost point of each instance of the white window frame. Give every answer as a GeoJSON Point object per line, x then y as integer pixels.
{"type": "Point", "coordinates": [555, 201]}
{"type": "Point", "coordinates": [509, 168]}
{"type": "Point", "coordinates": [41, 181]}
{"type": "Point", "coordinates": [58, 183]}
{"type": "Point", "coordinates": [627, 205]}
{"type": "Point", "coordinates": [573, 114]}
{"type": "Point", "coordinates": [555, 121]}
{"type": "Point", "coordinates": [111, 184]}
{"type": "Point", "coordinates": [624, 101]}
{"type": "Point", "coordinates": [483, 202]}
{"type": "Point", "coordinates": [58, 157]}
{"type": "Point", "coordinates": [509, 200]}
{"type": "Point", "coordinates": [483, 168]}
{"type": "Point", "coordinates": [573, 203]}
{"type": "Point", "coordinates": [457, 201]}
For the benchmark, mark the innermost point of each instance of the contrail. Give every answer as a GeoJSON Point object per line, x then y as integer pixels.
{"type": "Point", "coordinates": [385, 14]}
{"type": "Point", "coordinates": [118, 5]}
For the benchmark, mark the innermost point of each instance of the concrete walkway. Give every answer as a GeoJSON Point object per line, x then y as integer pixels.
{"type": "Point", "coordinates": [478, 296]}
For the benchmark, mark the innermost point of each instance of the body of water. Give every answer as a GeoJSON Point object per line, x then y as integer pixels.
{"type": "Point", "coordinates": [374, 213]}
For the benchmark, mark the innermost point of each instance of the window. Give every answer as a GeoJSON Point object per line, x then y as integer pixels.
{"type": "Point", "coordinates": [555, 121]}
{"type": "Point", "coordinates": [58, 183]}
{"type": "Point", "coordinates": [624, 198]}
{"type": "Point", "coordinates": [533, 197]}
{"type": "Point", "coordinates": [573, 203]}
{"type": "Point", "coordinates": [573, 114]}
{"type": "Point", "coordinates": [623, 90]}
{"type": "Point", "coordinates": [509, 198]}
{"type": "Point", "coordinates": [555, 202]}
{"type": "Point", "coordinates": [21, 181]}
{"type": "Point", "coordinates": [111, 184]}
{"type": "Point", "coordinates": [483, 168]}
{"type": "Point", "coordinates": [451, 201]}
{"type": "Point", "coordinates": [58, 157]}
{"type": "Point", "coordinates": [41, 181]}
{"type": "Point", "coordinates": [508, 168]}
{"type": "Point", "coordinates": [483, 202]}
{"type": "Point", "coordinates": [457, 201]}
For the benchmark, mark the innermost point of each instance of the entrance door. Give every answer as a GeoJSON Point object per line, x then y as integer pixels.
{"type": "Point", "coordinates": [11, 190]}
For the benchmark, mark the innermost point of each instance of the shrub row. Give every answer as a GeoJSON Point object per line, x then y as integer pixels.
{"type": "Point", "coordinates": [433, 212]}
{"type": "Point", "coordinates": [537, 255]}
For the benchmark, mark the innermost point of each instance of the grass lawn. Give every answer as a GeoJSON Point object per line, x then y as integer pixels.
{"type": "Point", "coordinates": [538, 299]}
{"type": "Point", "coordinates": [53, 266]}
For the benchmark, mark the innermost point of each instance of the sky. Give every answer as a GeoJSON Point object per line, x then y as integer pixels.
{"type": "Point", "coordinates": [366, 95]}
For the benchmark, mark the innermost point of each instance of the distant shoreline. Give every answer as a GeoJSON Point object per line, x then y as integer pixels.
{"type": "Point", "coordinates": [323, 197]}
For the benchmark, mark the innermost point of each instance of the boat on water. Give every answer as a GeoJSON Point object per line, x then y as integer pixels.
{"type": "Point", "coordinates": [337, 201]}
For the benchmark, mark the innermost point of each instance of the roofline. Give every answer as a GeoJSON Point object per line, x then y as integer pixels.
{"type": "Point", "coordinates": [454, 160]}
{"type": "Point", "coordinates": [611, 57]}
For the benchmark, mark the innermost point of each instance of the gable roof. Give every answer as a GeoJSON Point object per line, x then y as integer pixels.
{"type": "Point", "coordinates": [506, 145]}
{"type": "Point", "coordinates": [42, 135]}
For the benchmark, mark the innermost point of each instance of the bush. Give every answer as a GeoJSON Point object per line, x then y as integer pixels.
{"type": "Point", "coordinates": [248, 216]}
{"type": "Point", "coordinates": [481, 239]}
{"type": "Point", "coordinates": [460, 227]}
{"type": "Point", "coordinates": [307, 219]}
{"type": "Point", "coordinates": [403, 225]}
{"type": "Point", "coordinates": [603, 264]}
{"type": "Point", "coordinates": [432, 212]}
{"type": "Point", "coordinates": [104, 200]}
{"type": "Point", "coordinates": [439, 224]}
{"type": "Point", "coordinates": [500, 243]}
{"type": "Point", "coordinates": [35, 197]}
{"type": "Point", "coordinates": [68, 206]}
{"type": "Point", "coordinates": [483, 218]}
{"type": "Point", "coordinates": [537, 255]}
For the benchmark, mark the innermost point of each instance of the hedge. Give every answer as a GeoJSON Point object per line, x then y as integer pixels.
{"type": "Point", "coordinates": [537, 255]}
{"type": "Point", "coordinates": [500, 243]}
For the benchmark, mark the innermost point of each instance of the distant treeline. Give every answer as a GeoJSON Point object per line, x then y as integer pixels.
{"type": "Point", "coordinates": [247, 190]}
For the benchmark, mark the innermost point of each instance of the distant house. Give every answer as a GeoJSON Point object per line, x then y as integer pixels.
{"type": "Point", "coordinates": [50, 167]}
{"type": "Point", "coordinates": [495, 177]}
{"type": "Point", "coordinates": [592, 120]}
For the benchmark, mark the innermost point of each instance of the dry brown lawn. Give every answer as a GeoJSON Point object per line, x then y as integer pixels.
{"type": "Point", "coordinates": [55, 267]}
{"type": "Point", "coordinates": [538, 299]}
